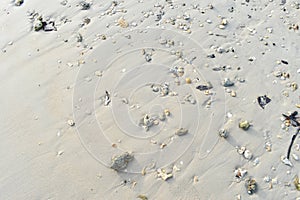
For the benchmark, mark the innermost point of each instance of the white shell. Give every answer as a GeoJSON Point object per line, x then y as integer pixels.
{"type": "Point", "coordinates": [286, 161]}
{"type": "Point", "coordinates": [247, 154]}
{"type": "Point", "coordinates": [71, 122]}
{"type": "Point", "coordinates": [295, 156]}
{"type": "Point", "coordinates": [241, 150]}
{"type": "Point", "coordinates": [240, 173]}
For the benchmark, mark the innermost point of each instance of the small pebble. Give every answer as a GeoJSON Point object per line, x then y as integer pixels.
{"type": "Point", "coordinates": [233, 93]}
{"type": "Point", "coordinates": [188, 80]}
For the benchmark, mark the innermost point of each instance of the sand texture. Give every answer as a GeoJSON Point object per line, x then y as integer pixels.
{"type": "Point", "coordinates": [149, 99]}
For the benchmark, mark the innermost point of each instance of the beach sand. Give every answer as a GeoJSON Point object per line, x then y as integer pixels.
{"type": "Point", "coordinates": [85, 82]}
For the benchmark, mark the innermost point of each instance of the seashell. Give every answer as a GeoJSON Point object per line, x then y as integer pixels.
{"type": "Point", "coordinates": [221, 26]}
{"type": "Point", "coordinates": [142, 197]}
{"type": "Point", "coordinates": [192, 101]}
{"type": "Point", "coordinates": [220, 50]}
{"type": "Point", "coordinates": [247, 154]}
{"type": "Point", "coordinates": [85, 5]}
{"type": "Point", "coordinates": [167, 112]}
{"type": "Point", "coordinates": [98, 73]}
{"type": "Point", "coordinates": [294, 86]}
{"type": "Point", "coordinates": [295, 157]}
{"type": "Point", "coordinates": [251, 186]}
{"type": "Point", "coordinates": [268, 146]}
{"type": "Point", "coordinates": [147, 121]}
{"type": "Point", "coordinates": [181, 131]}
{"type": "Point", "coordinates": [240, 173]}
{"type": "Point", "coordinates": [148, 57]}
{"type": "Point", "coordinates": [224, 22]}
{"type": "Point", "coordinates": [227, 82]}
{"type": "Point", "coordinates": [196, 179]}
{"type": "Point", "coordinates": [286, 161]}
{"type": "Point", "coordinates": [71, 122]}
{"type": "Point", "coordinates": [163, 174]}
{"type": "Point", "coordinates": [297, 182]}
{"type": "Point", "coordinates": [233, 93]}
{"type": "Point", "coordinates": [162, 41]}
{"type": "Point", "coordinates": [155, 122]}
{"type": "Point", "coordinates": [180, 71]}
{"type": "Point", "coordinates": [223, 133]}
{"type": "Point", "coordinates": [19, 2]}
{"type": "Point", "coordinates": [163, 145]}
{"type": "Point", "coordinates": [122, 23]}
{"type": "Point", "coordinates": [256, 161]}
{"type": "Point", "coordinates": [38, 25]}
{"type": "Point", "coordinates": [267, 179]}
{"type": "Point", "coordinates": [125, 101]}
{"type": "Point", "coordinates": [241, 150]}
{"type": "Point", "coordinates": [164, 91]}
{"type": "Point", "coordinates": [162, 117]}
{"type": "Point", "coordinates": [277, 73]}
{"type": "Point", "coordinates": [244, 125]}
{"type": "Point", "coordinates": [155, 89]}
{"type": "Point", "coordinates": [120, 162]}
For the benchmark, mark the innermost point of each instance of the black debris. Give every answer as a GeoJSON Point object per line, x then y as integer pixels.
{"type": "Point", "coordinates": [204, 87]}
{"type": "Point", "coordinates": [211, 56]}
{"type": "Point", "coordinates": [295, 122]}
{"type": "Point", "coordinates": [263, 101]}
{"type": "Point", "coordinates": [84, 5]}
{"type": "Point", "coordinates": [284, 62]}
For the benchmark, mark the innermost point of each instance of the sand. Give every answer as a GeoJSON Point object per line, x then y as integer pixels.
{"type": "Point", "coordinates": [60, 130]}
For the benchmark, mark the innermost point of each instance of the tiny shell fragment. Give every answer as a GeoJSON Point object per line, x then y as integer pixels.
{"type": "Point", "coordinates": [196, 179]}
{"type": "Point", "coordinates": [143, 197]}
{"type": "Point", "coordinates": [122, 23]}
{"type": "Point", "coordinates": [295, 157]}
{"type": "Point", "coordinates": [223, 133]}
{"type": "Point", "coordinates": [297, 183]}
{"type": "Point", "coordinates": [251, 186]}
{"type": "Point", "coordinates": [240, 173]}
{"type": "Point", "coordinates": [163, 174]}
{"type": "Point", "coordinates": [244, 125]}
{"type": "Point", "coordinates": [181, 131]}
{"type": "Point", "coordinates": [71, 122]}
{"type": "Point", "coordinates": [227, 82]}
{"type": "Point", "coordinates": [241, 150]}
{"type": "Point", "coordinates": [286, 161]}
{"type": "Point", "coordinates": [247, 154]}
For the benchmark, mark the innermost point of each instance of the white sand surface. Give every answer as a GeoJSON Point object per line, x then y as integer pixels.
{"type": "Point", "coordinates": [129, 49]}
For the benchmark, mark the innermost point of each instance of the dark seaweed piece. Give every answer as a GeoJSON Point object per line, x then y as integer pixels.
{"type": "Point", "coordinates": [294, 121]}
{"type": "Point", "coordinates": [292, 117]}
{"type": "Point", "coordinates": [291, 144]}
{"type": "Point", "coordinates": [263, 101]}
